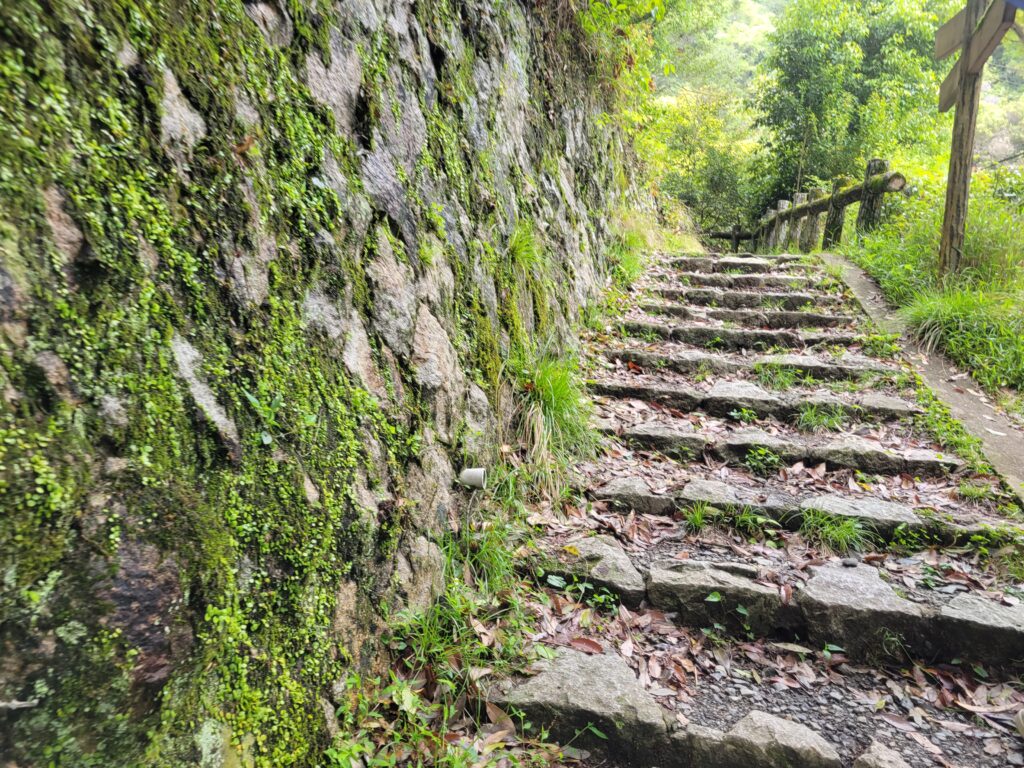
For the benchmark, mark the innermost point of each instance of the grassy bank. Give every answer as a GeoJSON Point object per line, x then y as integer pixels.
{"type": "Point", "coordinates": [977, 316]}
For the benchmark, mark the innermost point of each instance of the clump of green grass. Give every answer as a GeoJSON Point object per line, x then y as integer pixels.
{"type": "Point", "coordinates": [975, 492]}
{"type": "Point", "coordinates": [818, 418]}
{"type": "Point", "coordinates": [836, 534]}
{"type": "Point", "coordinates": [752, 524]}
{"type": "Point", "coordinates": [778, 377]}
{"type": "Point", "coordinates": [697, 516]}
{"type": "Point", "coordinates": [556, 407]}
{"type": "Point", "coordinates": [981, 330]}
{"type": "Point", "coordinates": [762, 461]}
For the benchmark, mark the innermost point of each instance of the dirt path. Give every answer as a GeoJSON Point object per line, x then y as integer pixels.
{"type": "Point", "coordinates": [791, 556]}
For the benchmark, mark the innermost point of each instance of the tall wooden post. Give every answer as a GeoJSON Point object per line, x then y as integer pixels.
{"type": "Point", "coordinates": [870, 213]}
{"type": "Point", "coordinates": [797, 224]}
{"type": "Point", "coordinates": [810, 233]}
{"type": "Point", "coordinates": [735, 238]}
{"type": "Point", "coordinates": [958, 183]}
{"type": "Point", "coordinates": [835, 219]}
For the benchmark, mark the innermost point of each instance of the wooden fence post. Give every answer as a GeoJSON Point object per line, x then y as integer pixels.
{"type": "Point", "coordinates": [735, 238]}
{"type": "Point", "coordinates": [797, 224]}
{"type": "Point", "coordinates": [835, 219]}
{"type": "Point", "coordinates": [773, 223]}
{"type": "Point", "coordinates": [763, 237]}
{"type": "Point", "coordinates": [781, 225]}
{"type": "Point", "coordinates": [870, 213]}
{"type": "Point", "coordinates": [810, 234]}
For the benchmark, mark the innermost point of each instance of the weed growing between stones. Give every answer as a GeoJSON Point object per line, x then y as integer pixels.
{"type": "Point", "coordinates": [743, 415]}
{"type": "Point", "coordinates": [835, 534]}
{"type": "Point", "coordinates": [779, 377]}
{"type": "Point", "coordinates": [762, 461]}
{"type": "Point", "coordinates": [819, 418]}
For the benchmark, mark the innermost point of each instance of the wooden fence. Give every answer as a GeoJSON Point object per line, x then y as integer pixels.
{"type": "Point", "coordinates": [814, 217]}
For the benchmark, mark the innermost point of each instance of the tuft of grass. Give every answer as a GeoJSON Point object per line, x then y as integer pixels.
{"type": "Point", "coordinates": [778, 377]}
{"type": "Point", "coordinates": [762, 461]}
{"type": "Point", "coordinates": [554, 417]}
{"type": "Point", "coordinates": [697, 516]}
{"type": "Point", "coordinates": [751, 524]}
{"type": "Point", "coordinates": [975, 492]}
{"type": "Point", "coordinates": [836, 534]}
{"type": "Point", "coordinates": [820, 418]}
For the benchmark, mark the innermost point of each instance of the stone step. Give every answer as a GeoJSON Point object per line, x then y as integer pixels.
{"type": "Point", "coordinates": [726, 397]}
{"type": "Point", "coordinates": [836, 452]}
{"type": "Point", "coordinates": [885, 520]}
{"type": "Point", "coordinates": [717, 337]}
{"type": "Point", "coordinates": [716, 297]}
{"type": "Point", "coordinates": [689, 361]}
{"type": "Point", "coordinates": [844, 603]}
{"type": "Point", "coordinates": [747, 265]}
{"type": "Point", "coordinates": [762, 281]}
{"type": "Point", "coordinates": [596, 702]}
{"type": "Point", "coordinates": [765, 318]}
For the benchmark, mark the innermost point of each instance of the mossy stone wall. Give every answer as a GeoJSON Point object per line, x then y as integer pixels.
{"type": "Point", "coordinates": [256, 287]}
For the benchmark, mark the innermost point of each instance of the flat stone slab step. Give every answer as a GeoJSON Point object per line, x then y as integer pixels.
{"type": "Point", "coordinates": [716, 297]}
{"type": "Point", "coordinates": [716, 337]}
{"type": "Point", "coordinates": [689, 361]}
{"type": "Point", "coordinates": [735, 448]}
{"type": "Point", "coordinates": [845, 604]}
{"type": "Point", "coordinates": [764, 318]}
{"type": "Point", "coordinates": [757, 280]}
{"type": "Point", "coordinates": [748, 264]}
{"type": "Point", "coordinates": [576, 693]}
{"type": "Point", "coordinates": [884, 519]}
{"type": "Point", "coordinates": [726, 397]}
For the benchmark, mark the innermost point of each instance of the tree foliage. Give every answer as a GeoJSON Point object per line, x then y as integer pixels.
{"type": "Point", "coordinates": [843, 80]}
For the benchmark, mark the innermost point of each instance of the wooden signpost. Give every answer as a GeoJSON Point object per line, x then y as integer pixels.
{"type": "Point", "coordinates": [975, 31]}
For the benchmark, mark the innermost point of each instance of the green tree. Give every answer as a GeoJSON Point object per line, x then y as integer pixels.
{"type": "Point", "coordinates": [844, 79]}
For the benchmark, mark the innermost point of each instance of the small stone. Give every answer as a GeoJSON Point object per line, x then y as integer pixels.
{"type": "Point", "coordinates": [606, 565]}
{"type": "Point", "coordinates": [633, 493]}
{"type": "Point", "coordinates": [577, 690]}
{"type": "Point", "coordinates": [767, 741]}
{"type": "Point", "coordinates": [181, 126]}
{"type": "Point", "coordinates": [850, 562]}
{"type": "Point", "coordinates": [880, 756]}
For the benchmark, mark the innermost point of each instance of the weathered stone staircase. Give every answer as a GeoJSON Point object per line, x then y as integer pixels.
{"type": "Point", "coordinates": [805, 576]}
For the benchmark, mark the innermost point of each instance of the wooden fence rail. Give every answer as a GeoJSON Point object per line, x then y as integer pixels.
{"type": "Point", "coordinates": [814, 217]}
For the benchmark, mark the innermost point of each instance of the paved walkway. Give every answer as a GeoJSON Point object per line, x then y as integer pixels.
{"type": "Point", "coordinates": [803, 574]}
